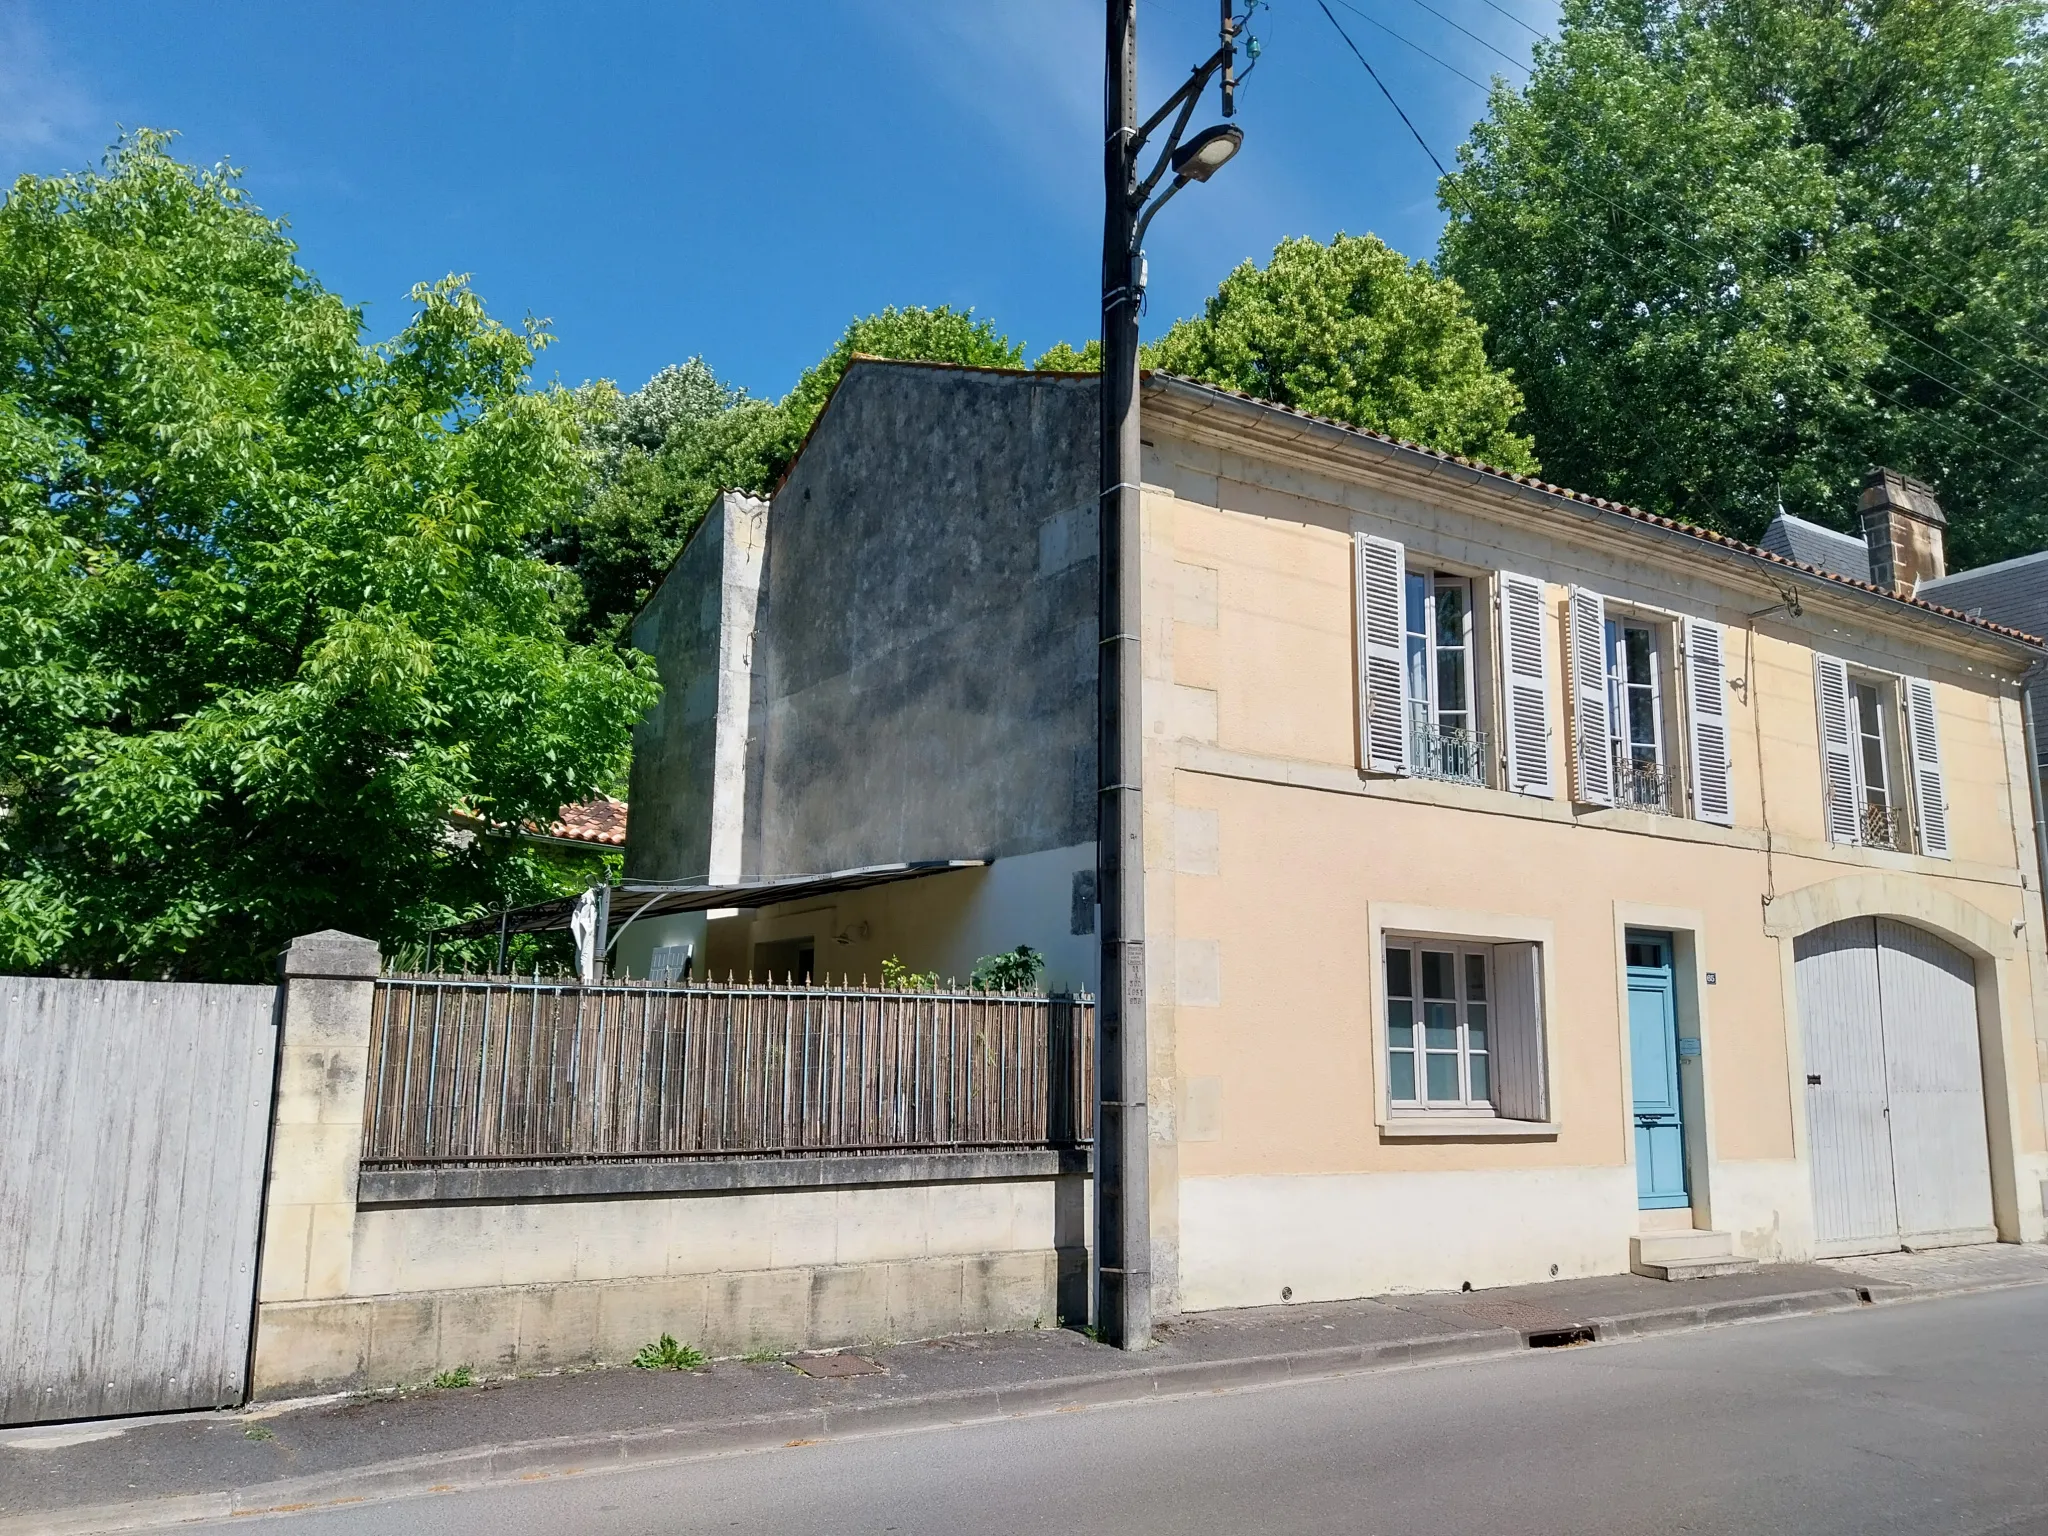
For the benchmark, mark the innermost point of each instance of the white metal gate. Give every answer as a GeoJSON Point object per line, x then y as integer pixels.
{"type": "Point", "coordinates": [1894, 1088]}
{"type": "Point", "coordinates": [134, 1118]}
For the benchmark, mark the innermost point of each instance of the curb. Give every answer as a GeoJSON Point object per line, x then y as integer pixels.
{"type": "Point", "coordinates": [570, 1455]}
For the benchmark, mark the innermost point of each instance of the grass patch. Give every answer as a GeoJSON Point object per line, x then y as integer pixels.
{"type": "Point", "coordinates": [459, 1376]}
{"type": "Point", "coordinates": [762, 1357]}
{"type": "Point", "coordinates": [258, 1432]}
{"type": "Point", "coordinates": [665, 1354]}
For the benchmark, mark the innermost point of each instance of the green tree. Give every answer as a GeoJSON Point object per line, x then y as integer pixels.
{"type": "Point", "coordinates": [663, 452]}
{"type": "Point", "coordinates": [1738, 253]}
{"type": "Point", "coordinates": [267, 608]}
{"type": "Point", "coordinates": [1061, 357]}
{"type": "Point", "coordinates": [1352, 331]}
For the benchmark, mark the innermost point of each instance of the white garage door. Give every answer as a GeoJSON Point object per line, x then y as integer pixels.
{"type": "Point", "coordinates": [1894, 1088]}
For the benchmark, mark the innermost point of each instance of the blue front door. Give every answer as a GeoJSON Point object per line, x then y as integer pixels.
{"type": "Point", "coordinates": [1653, 1066]}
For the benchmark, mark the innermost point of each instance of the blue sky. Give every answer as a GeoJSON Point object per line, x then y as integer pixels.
{"type": "Point", "coordinates": [740, 180]}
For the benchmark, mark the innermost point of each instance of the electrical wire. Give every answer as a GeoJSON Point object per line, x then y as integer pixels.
{"type": "Point", "coordinates": [1973, 445]}
{"type": "Point", "coordinates": [1405, 42]}
{"type": "Point", "coordinates": [1376, 80]}
{"type": "Point", "coordinates": [1511, 16]}
{"type": "Point", "coordinates": [1784, 268]}
{"type": "Point", "coordinates": [1454, 25]}
{"type": "Point", "coordinates": [1844, 265]}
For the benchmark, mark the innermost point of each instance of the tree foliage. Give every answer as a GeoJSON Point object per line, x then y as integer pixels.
{"type": "Point", "coordinates": [1741, 252]}
{"type": "Point", "coordinates": [267, 609]}
{"type": "Point", "coordinates": [1063, 357]}
{"type": "Point", "coordinates": [664, 451]}
{"type": "Point", "coordinates": [1352, 331]}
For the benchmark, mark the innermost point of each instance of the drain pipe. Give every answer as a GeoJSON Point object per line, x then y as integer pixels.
{"type": "Point", "coordinates": [2032, 725]}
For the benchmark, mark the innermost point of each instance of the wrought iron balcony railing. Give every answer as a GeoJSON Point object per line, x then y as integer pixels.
{"type": "Point", "coordinates": [1643, 785]}
{"type": "Point", "coordinates": [1884, 826]}
{"type": "Point", "coordinates": [1438, 752]}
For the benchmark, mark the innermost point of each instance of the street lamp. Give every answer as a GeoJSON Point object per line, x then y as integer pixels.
{"type": "Point", "coordinates": [1123, 1205]}
{"type": "Point", "coordinates": [1207, 152]}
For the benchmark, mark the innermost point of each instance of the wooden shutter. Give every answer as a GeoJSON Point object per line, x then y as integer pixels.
{"type": "Point", "coordinates": [1837, 750]}
{"type": "Point", "coordinates": [1930, 794]}
{"type": "Point", "coordinates": [1520, 1089]}
{"type": "Point", "coordinates": [1525, 653]}
{"type": "Point", "coordinates": [1706, 686]}
{"type": "Point", "coordinates": [1592, 732]}
{"type": "Point", "coordinates": [1382, 688]}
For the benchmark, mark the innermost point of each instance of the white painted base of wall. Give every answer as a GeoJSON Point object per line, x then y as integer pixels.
{"type": "Point", "coordinates": [1766, 1207]}
{"type": "Point", "coordinates": [1331, 1237]}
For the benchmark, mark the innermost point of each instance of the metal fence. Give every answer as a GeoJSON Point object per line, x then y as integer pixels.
{"type": "Point", "coordinates": [494, 1070]}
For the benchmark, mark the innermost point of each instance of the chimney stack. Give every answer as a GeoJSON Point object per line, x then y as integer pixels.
{"type": "Point", "coordinates": [1904, 527]}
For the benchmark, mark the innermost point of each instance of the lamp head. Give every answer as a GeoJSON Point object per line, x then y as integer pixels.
{"type": "Point", "coordinates": [1207, 152]}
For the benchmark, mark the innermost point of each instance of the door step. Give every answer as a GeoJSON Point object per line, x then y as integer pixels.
{"type": "Point", "coordinates": [1689, 1255]}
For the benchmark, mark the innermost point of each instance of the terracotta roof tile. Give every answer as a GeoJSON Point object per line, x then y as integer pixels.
{"type": "Point", "coordinates": [602, 820]}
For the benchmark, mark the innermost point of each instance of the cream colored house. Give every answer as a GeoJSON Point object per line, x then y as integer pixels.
{"type": "Point", "coordinates": [1534, 887]}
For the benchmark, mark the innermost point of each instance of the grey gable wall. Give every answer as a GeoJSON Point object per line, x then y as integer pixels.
{"type": "Point", "coordinates": [686, 797]}
{"type": "Point", "coordinates": [924, 664]}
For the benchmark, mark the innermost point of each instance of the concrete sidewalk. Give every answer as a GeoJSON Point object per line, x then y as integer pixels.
{"type": "Point", "coordinates": [147, 1473]}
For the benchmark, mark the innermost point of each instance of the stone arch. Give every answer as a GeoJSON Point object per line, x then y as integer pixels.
{"type": "Point", "coordinates": [1918, 901]}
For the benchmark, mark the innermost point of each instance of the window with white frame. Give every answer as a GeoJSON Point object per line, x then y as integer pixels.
{"type": "Point", "coordinates": [1427, 664]}
{"type": "Point", "coordinates": [1437, 1026]}
{"type": "Point", "coordinates": [1649, 697]}
{"type": "Point", "coordinates": [1637, 653]}
{"type": "Point", "coordinates": [1881, 773]}
{"type": "Point", "coordinates": [1440, 657]}
{"type": "Point", "coordinates": [1463, 1028]}
{"type": "Point", "coordinates": [1873, 721]}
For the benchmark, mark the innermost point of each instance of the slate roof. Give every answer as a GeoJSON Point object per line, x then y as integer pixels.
{"type": "Point", "coordinates": [2011, 592]}
{"type": "Point", "coordinates": [1839, 554]}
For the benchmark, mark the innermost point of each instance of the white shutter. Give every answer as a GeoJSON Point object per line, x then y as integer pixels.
{"type": "Point", "coordinates": [1837, 750]}
{"type": "Point", "coordinates": [1525, 653]}
{"type": "Point", "coordinates": [1706, 683]}
{"type": "Point", "coordinates": [1592, 734]}
{"type": "Point", "coordinates": [1382, 688]}
{"type": "Point", "coordinates": [1930, 794]}
{"type": "Point", "coordinates": [1519, 1088]}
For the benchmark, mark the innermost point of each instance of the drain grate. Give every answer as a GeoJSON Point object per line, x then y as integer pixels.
{"type": "Point", "coordinates": [1563, 1338]}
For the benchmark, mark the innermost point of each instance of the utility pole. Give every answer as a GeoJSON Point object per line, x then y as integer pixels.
{"type": "Point", "coordinates": [1123, 1205]}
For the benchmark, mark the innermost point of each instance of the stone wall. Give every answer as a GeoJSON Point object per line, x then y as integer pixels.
{"type": "Point", "coordinates": [384, 1277]}
{"type": "Point", "coordinates": [925, 652]}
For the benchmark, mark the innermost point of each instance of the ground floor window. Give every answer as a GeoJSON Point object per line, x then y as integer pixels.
{"type": "Point", "coordinates": [1439, 1001]}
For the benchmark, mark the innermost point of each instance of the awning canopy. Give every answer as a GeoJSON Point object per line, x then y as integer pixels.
{"type": "Point", "coordinates": [635, 899]}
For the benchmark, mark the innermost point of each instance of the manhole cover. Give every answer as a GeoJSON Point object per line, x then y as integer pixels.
{"type": "Point", "coordinates": [836, 1365]}
{"type": "Point", "coordinates": [1519, 1315]}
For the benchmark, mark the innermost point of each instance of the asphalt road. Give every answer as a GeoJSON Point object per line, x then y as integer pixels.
{"type": "Point", "coordinates": [1929, 1418]}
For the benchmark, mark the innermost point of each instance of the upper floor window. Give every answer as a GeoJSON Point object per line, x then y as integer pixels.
{"type": "Point", "coordinates": [1881, 772]}
{"type": "Point", "coordinates": [1877, 734]}
{"type": "Point", "coordinates": [1444, 741]}
{"type": "Point", "coordinates": [1636, 696]}
{"type": "Point", "coordinates": [1649, 696]}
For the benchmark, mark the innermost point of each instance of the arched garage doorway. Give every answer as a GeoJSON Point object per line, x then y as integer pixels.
{"type": "Point", "coordinates": [1897, 1138]}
